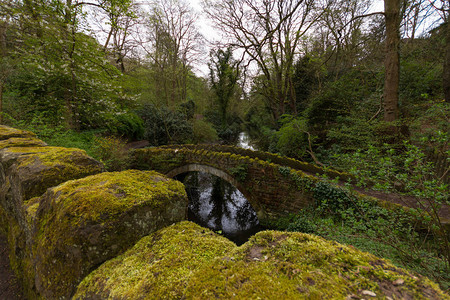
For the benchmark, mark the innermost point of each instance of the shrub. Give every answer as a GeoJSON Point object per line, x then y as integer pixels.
{"type": "Point", "coordinates": [204, 132]}
{"type": "Point", "coordinates": [163, 126]}
{"type": "Point", "coordinates": [291, 140]}
{"type": "Point", "coordinates": [127, 125]}
{"type": "Point", "coordinates": [112, 152]}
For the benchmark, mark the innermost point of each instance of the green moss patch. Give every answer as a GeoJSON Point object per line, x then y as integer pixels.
{"type": "Point", "coordinates": [8, 132]}
{"type": "Point", "coordinates": [101, 197]}
{"type": "Point", "coordinates": [82, 223]}
{"type": "Point", "coordinates": [159, 266]}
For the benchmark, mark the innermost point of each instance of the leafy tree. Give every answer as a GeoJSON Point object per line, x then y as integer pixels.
{"type": "Point", "coordinates": [224, 75]}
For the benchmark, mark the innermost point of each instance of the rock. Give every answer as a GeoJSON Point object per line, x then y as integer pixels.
{"type": "Point", "coordinates": [368, 293]}
{"type": "Point", "coordinates": [21, 142]}
{"type": "Point", "coordinates": [299, 266]}
{"type": "Point", "coordinates": [272, 265]}
{"type": "Point", "coordinates": [8, 132]}
{"type": "Point", "coordinates": [34, 169]}
{"type": "Point", "coordinates": [82, 223]}
{"type": "Point", "coordinates": [27, 172]}
{"type": "Point", "coordinates": [161, 264]}
{"type": "Point", "coordinates": [27, 169]}
{"type": "Point", "coordinates": [399, 281]}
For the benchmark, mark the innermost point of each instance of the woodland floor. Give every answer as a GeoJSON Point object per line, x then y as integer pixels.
{"type": "Point", "coordinates": [10, 289]}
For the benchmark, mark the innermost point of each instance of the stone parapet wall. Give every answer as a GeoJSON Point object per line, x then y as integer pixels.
{"type": "Point", "coordinates": [269, 157]}
{"type": "Point", "coordinates": [63, 215]}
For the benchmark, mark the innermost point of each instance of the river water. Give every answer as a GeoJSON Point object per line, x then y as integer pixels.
{"type": "Point", "coordinates": [216, 204]}
{"type": "Point", "coordinates": [245, 142]}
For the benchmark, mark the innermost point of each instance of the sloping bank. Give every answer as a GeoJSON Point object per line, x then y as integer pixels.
{"type": "Point", "coordinates": [68, 222]}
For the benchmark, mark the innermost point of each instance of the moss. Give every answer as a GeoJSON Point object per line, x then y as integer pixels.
{"type": "Point", "coordinates": [31, 206]}
{"type": "Point", "coordinates": [39, 168]}
{"type": "Point", "coordinates": [8, 132]}
{"type": "Point", "coordinates": [81, 223]}
{"type": "Point", "coordinates": [21, 142]}
{"type": "Point", "coordinates": [159, 266]}
{"type": "Point", "coordinates": [185, 261]}
{"type": "Point", "coordinates": [102, 196]}
{"type": "Point", "coordinates": [279, 265]}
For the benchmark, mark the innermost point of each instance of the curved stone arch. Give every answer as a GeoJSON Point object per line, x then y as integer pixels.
{"type": "Point", "coordinates": [219, 173]}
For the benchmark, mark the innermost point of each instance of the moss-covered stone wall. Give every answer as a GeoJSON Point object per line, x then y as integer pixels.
{"type": "Point", "coordinates": [63, 215]}
{"type": "Point", "coordinates": [270, 157]}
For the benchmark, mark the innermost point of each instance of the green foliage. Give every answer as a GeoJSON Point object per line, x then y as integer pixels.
{"type": "Point", "coordinates": [58, 135]}
{"type": "Point", "coordinates": [163, 126]}
{"type": "Point", "coordinates": [224, 74]}
{"type": "Point", "coordinates": [127, 125]}
{"type": "Point", "coordinates": [239, 172]}
{"type": "Point", "coordinates": [305, 81]}
{"type": "Point", "coordinates": [228, 133]}
{"type": "Point", "coordinates": [339, 98]}
{"type": "Point", "coordinates": [291, 140]}
{"type": "Point", "coordinates": [112, 152]}
{"type": "Point", "coordinates": [204, 132]}
{"type": "Point", "coordinates": [395, 234]}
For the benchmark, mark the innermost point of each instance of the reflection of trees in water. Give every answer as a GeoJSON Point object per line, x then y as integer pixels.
{"type": "Point", "coordinates": [217, 204]}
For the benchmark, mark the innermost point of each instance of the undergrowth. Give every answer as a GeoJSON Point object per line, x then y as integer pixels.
{"type": "Point", "coordinates": [398, 235]}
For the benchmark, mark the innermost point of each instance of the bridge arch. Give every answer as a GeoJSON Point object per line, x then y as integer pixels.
{"type": "Point", "coordinates": [193, 167]}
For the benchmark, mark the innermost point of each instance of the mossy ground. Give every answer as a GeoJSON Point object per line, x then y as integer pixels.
{"type": "Point", "coordinates": [159, 266]}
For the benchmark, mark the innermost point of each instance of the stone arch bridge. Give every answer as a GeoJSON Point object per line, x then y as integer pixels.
{"type": "Point", "coordinates": [272, 184]}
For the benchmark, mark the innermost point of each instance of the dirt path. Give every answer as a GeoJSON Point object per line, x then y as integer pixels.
{"type": "Point", "coordinates": [10, 289]}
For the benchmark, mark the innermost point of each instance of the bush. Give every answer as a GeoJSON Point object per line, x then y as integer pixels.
{"type": "Point", "coordinates": [291, 140]}
{"type": "Point", "coordinates": [127, 125]}
{"type": "Point", "coordinates": [112, 152]}
{"type": "Point", "coordinates": [163, 126]}
{"type": "Point", "coordinates": [204, 132]}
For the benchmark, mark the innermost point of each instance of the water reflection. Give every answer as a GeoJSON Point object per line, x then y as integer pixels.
{"type": "Point", "coordinates": [218, 205]}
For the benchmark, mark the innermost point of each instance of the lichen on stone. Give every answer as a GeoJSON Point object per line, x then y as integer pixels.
{"type": "Point", "coordinates": [159, 266]}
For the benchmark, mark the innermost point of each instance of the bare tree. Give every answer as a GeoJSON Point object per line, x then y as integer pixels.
{"type": "Point", "coordinates": [177, 44]}
{"type": "Point", "coordinates": [269, 33]}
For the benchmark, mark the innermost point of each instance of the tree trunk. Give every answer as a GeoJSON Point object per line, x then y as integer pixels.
{"type": "Point", "coordinates": [1, 102]}
{"type": "Point", "coordinates": [446, 75]}
{"type": "Point", "coordinates": [392, 60]}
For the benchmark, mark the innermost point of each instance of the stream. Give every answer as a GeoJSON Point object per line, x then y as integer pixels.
{"type": "Point", "coordinates": [216, 204]}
